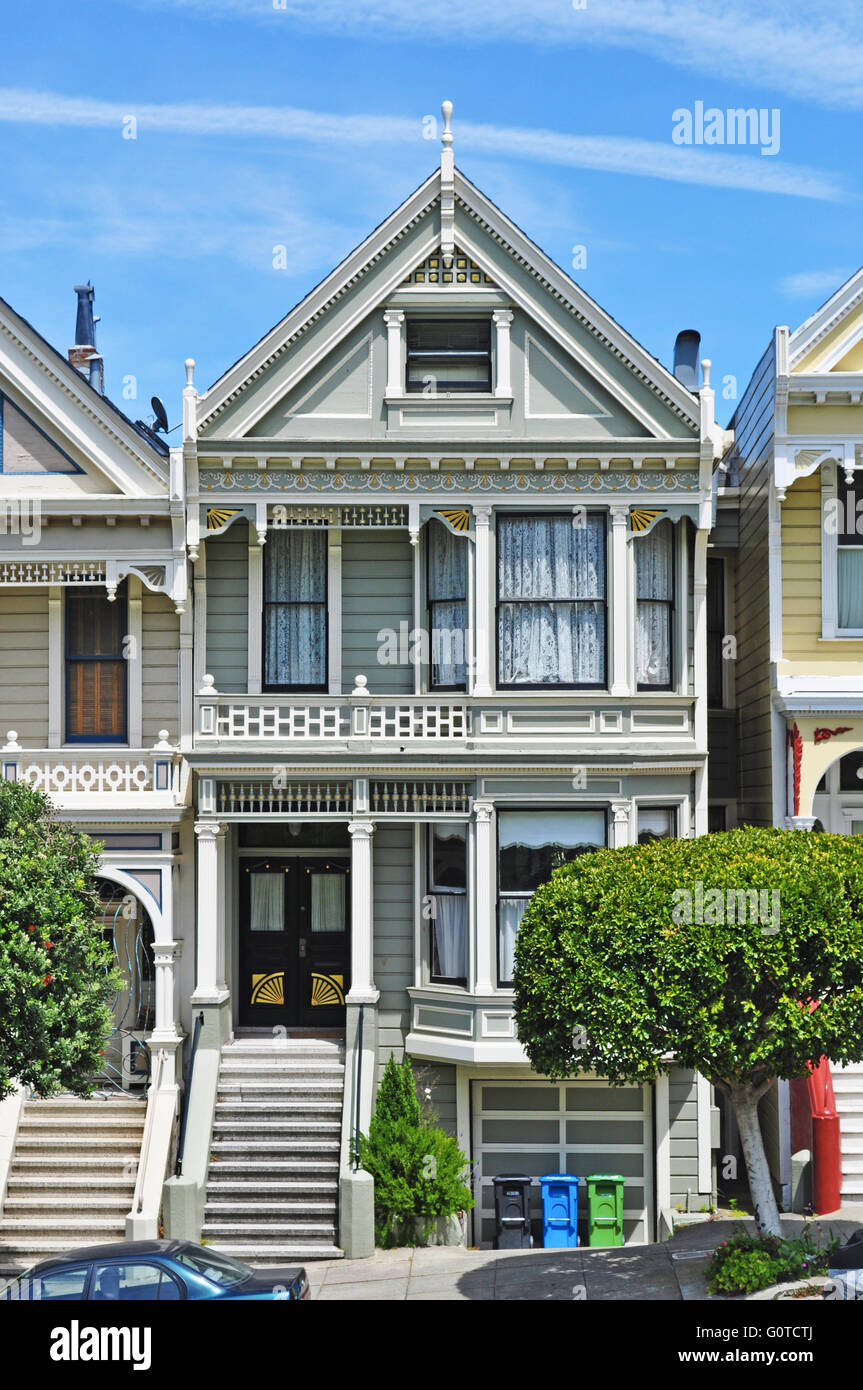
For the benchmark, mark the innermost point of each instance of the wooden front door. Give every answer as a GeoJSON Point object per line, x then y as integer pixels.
{"type": "Point", "coordinates": [294, 941]}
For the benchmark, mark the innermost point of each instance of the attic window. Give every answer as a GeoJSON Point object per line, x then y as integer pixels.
{"type": "Point", "coordinates": [448, 355]}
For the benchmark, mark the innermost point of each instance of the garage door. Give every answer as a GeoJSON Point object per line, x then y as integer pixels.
{"type": "Point", "coordinates": [579, 1127]}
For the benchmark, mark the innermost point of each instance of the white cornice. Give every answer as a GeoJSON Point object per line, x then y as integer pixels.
{"type": "Point", "coordinates": [824, 320]}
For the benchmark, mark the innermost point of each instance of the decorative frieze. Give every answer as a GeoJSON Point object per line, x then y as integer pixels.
{"type": "Point", "coordinates": [507, 480]}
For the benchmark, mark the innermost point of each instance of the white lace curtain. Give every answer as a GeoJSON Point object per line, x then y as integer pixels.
{"type": "Point", "coordinates": [654, 579]}
{"type": "Point", "coordinates": [551, 600]}
{"type": "Point", "coordinates": [267, 907]}
{"type": "Point", "coordinates": [510, 914]}
{"type": "Point", "coordinates": [450, 927]}
{"type": "Point", "coordinates": [328, 902]}
{"type": "Point", "coordinates": [447, 593]}
{"type": "Point", "coordinates": [850, 586]}
{"type": "Point", "coordinates": [295, 608]}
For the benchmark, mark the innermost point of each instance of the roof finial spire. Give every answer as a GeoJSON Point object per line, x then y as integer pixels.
{"type": "Point", "coordinates": [447, 188]}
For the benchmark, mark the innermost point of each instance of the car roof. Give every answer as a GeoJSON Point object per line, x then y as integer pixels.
{"type": "Point", "coordinates": [117, 1250]}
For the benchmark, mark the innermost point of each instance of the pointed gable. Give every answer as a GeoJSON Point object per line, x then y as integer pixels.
{"type": "Point", "coordinates": [25, 448]}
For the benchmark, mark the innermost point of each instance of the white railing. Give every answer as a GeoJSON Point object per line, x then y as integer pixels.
{"type": "Point", "coordinates": [280, 797]}
{"type": "Point", "coordinates": [86, 772]}
{"type": "Point", "coordinates": [419, 798]}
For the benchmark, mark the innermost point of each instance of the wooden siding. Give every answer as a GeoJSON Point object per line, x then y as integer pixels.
{"type": "Point", "coordinates": [160, 646]}
{"type": "Point", "coordinates": [683, 1110]}
{"type": "Point", "coordinates": [377, 593]}
{"type": "Point", "coordinates": [24, 665]}
{"type": "Point", "coordinates": [393, 896]}
{"type": "Point", "coordinates": [752, 453]}
{"type": "Point", "coordinates": [228, 609]}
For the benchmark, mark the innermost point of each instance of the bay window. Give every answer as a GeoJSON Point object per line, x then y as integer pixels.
{"type": "Point", "coordinates": [531, 845]}
{"type": "Point", "coordinates": [447, 862]}
{"type": "Point", "coordinates": [447, 607]}
{"type": "Point", "coordinates": [654, 593]}
{"type": "Point", "coordinates": [295, 610]}
{"type": "Point", "coordinates": [551, 616]}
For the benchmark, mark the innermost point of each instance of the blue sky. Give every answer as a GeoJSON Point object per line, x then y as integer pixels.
{"type": "Point", "coordinates": [264, 123]}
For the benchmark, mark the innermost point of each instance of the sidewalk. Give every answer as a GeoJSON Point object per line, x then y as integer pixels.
{"type": "Point", "coordinates": [672, 1271]}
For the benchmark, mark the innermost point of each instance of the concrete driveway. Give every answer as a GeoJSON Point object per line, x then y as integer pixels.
{"type": "Point", "coordinates": [672, 1271]}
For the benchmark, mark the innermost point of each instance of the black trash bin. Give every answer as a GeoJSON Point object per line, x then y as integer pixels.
{"type": "Point", "coordinates": [512, 1211]}
{"type": "Point", "coordinates": [846, 1270]}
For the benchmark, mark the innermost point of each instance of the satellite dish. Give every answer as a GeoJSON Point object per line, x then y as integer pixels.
{"type": "Point", "coordinates": [160, 414]}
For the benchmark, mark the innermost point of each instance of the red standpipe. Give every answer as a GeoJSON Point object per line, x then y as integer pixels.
{"type": "Point", "coordinates": [826, 1140]}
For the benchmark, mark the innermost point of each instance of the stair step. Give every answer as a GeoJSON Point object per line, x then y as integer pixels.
{"type": "Point", "coordinates": [288, 1253]}
{"type": "Point", "coordinates": [239, 1209]}
{"type": "Point", "coordinates": [268, 1232]}
{"type": "Point", "coordinates": [278, 1106]}
{"type": "Point", "coordinates": [269, 1128]}
{"type": "Point", "coordinates": [219, 1187]}
{"type": "Point", "coordinates": [14, 1225]}
{"type": "Point", "coordinates": [83, 1184]}
{"type": "Point", "coordinates": [287, 1147]}
{"type": "Point", "coordinates": [38, 1206]}
{"type": "Point", "coordinates": [65, 1165]}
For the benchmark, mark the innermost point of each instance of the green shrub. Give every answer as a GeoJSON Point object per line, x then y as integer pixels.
{"type": "Point", "coordinates": [418, 1168]}
{"type": "Point", "coordinates": [747, 1263]}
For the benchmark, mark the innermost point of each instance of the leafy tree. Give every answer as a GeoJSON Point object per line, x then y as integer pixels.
{"type": "Point", "coordinates": [629, 957]}
{"type": "Point", "coordinates": [56, 972]}
{"type": "Point", "coordinates": [418, 1168]}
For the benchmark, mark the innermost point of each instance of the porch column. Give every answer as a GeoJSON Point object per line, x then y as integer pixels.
{"type": "Point", "coordinates": [394, 318]}
{"type": "Point", "coordinates": [622, 825]}
{"type": "Point", "coordinates": [362, 990]}
{"type": "Point", "coordinates": [210, 987]}
{"type": "Point", "coordinates": [502, 319]}
{"type": "Point", "coordinates": [483, 631]}
{"type": "Point", "coordinates": [619, 601]}
{"type": "Point", "coordinates": [486, 879]}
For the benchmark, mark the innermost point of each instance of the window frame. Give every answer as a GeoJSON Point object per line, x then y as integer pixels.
{"type": "Point", "coordinates": [457, 980]}
{"type": "Point", "coordinates": [430, 602]}
{"type": "Point", "coordinates": [266, 686]}
{"type": "Point", "coordinates": [670, 611]}
{"type": "Point", "coordinates": [602, 808]}
{"type": "Point", "coordinates": [93, 740]}
{"type": "Point", "coordinates": [533, 515]}
{"type": "Point", "coordinates": [673, 809]}
{"type": "Point", "coordinates": [468, 389]}
{"type": "Point", "coordinates": [830, 494]}
{"type": "Point", "coordinates": [150, 1263]}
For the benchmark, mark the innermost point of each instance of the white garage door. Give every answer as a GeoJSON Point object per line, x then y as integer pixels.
{"type": "Point", "coordinates": [579, 1127]}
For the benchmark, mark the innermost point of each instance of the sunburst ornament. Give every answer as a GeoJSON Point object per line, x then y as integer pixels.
{"type": "Point", "coordinates": [327, 989]}
{"type": "Point", "coordinates": [268, 989]}
{"type": "Point", "coordinates": [458, 520]}
{"type": "Point", "coordinates": [641, 520]}
{"type": "Point", "coordinates": [218, 517]}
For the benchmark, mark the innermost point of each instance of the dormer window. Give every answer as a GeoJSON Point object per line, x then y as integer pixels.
{"type": "Point", "coordinates": [448, 355]}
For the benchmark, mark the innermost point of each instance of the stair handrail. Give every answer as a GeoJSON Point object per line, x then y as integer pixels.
{"type": "Point", "coordinates": [149, 1122]}
{"type": "Point", "coordinates": [181, 1146]}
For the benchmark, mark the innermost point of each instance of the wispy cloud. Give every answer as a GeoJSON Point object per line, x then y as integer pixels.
{"type": "Point", "coordinates": [807, 283]}
{"type": "Point", "coordinates": [809, 49]}
{"type": "Point", "coordinates": [614, 154]}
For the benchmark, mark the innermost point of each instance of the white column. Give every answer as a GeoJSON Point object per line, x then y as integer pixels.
{"type": "Point", "coordinates": [699, 589]}
{"type": "Point", "coordinates": [334, 609]}
{"type": "Point", "coordinates": [663, 1142]}
{"type": "Point", "coordinates": [485, 897]}
{"type": "Point", "coordinates": [622, 824]}
{"type": "Point", "coordinates": [210, 987]}
{"type": "Point", "coordinates": [134, 661]}
{"type": "Point", "coordinates": [619, 601]}
{"type": "Point", "coordinates": [483, 632]}
{"type": "Point", "coordinates": [502, 319]}
{"type": "Point", "coordinates": [362, 990]}
{"type": "Point", "coordinates": [394, 318]}
{"type": "Point", "coordinates": [200, 627]}
{"type": "Point", "coordinates": [256, 607]}
{"type": "Point", "coordinates": [56, 673]}
{"type": "Point", "coordinates": [164, 955]}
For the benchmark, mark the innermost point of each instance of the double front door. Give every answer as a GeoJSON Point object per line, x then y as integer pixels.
{"type": "Point", "coordinates": [294, 941]}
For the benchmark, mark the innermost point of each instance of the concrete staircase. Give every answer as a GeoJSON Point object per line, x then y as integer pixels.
{"type": "Point", "coordinates": [848, 1088]}
{"type": "Point", "coordinates": [272, 1190]}
{"type": "Point", "coordinates": [72, 1176]}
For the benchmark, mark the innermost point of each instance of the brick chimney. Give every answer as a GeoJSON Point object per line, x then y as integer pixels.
{"type": "Point", "coordinates": [83, 355]}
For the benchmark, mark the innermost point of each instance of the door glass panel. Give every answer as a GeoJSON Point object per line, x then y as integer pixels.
{"type": "Point", "coordinates": [135, 1283]}
{"type": "Point", "coordinates": [328, 902]}
{"type": "Point", "coordinates": [267, 906]}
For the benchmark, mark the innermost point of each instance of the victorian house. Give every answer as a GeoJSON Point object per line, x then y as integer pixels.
{"type": "Point", "coordinates": [444, 531]}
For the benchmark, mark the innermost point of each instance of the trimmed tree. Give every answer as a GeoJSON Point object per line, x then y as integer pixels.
{"type": "Point", "coordinates": [711, 951]}
{"type": "Point", "coordinates": [56, 971]}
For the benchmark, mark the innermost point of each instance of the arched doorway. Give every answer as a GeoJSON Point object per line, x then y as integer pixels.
{"type": "Point", "coordinates": [126, 925]}
{"type": "Point", "coordinates": [838, 799]}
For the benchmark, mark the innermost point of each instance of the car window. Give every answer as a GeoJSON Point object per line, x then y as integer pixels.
{"type": "Point", "coordinates": [133, 1283]}
{"type": "Point", "coordinates": [51, 1285]}
{"type": "Point", "coordinates": [218, 1268]}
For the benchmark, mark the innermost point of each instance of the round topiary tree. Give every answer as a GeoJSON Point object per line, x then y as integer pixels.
{"type": "Point", "coordinates": [56, 971]}
{"type": "Point", "coordinates": [711, 950]}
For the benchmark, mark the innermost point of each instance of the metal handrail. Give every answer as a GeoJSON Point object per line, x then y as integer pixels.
{"type": "Point", "coordinates": [359, 1088]}
{"type": "Point", "coordinates": [185, 1115]}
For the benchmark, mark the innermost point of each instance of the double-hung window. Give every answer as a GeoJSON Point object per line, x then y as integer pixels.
{"type": "Point", "coordinates": [445, 355]}
{"type": "Point", "coordinates": [295, 610]}
{"type": "Point", "coordinates": [447, 605]}
{"type": "Point", "coordinates": [849, 556]}
{"type": "Point", "coordinates": [448, 891]}
{"type": "Point", "coordinates": [531, 845]}
{"type": "Point", "coordinates": [654, 593]}
{"type": "Point", "coordinates": [551, 595]}
{"type": "Point", "coordinates": [656, 823]}
{"type": "Point", "coordinates": [96, 667]}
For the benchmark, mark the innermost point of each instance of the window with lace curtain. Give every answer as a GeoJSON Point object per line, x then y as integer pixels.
{"type": "Point", "coordinates": [551, 590]}
{"type": "Point", "coordinates": [447, 862]}
{"type": "Point", "coordinates": [654, 594]}
{"type": "Point", "coordinates": [295, 610]}
{"type": "Point", "coordinates": [447, 605]}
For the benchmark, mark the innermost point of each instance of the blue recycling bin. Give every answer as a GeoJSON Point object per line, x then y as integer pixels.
{"type": "Point", "coordinates": [559, 1210]}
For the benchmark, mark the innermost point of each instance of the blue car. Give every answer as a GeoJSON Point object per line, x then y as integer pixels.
{"type": "Point", "coordinates": [151, 1271]}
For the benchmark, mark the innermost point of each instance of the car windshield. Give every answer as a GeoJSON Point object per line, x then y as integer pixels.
{"type": "Point", "coordinates": [219, 1269]}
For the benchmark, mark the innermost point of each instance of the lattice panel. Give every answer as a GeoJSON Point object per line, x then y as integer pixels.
{"type": "Point", "coordinates": [463, 271]}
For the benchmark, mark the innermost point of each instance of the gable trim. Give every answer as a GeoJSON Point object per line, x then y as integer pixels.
{"type": "Point", "coordinates": [300, 414]}
{"type": "Point", "coordinates": [32, 472]}
{"type": "Point", "coordinates": [600, 413]}
{"type": "Point", "coordinates": [820, 324]}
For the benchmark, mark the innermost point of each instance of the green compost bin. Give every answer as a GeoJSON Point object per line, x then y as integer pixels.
{"type": "Point", "coordinates": [604, 1209]}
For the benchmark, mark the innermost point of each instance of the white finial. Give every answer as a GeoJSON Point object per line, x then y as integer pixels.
{"type": "Point", "coordinates": [446, 112]}
{"type": "Point", "coordinates": [705, 370]}
{"type": "Point", "coordinates": [447, 189]}
{"type": "Point", "coordinates": [190, 371]}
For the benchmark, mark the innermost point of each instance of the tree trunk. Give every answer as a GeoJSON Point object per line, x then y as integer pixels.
{"type": "Point", "coordinates": [745, 1102]}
